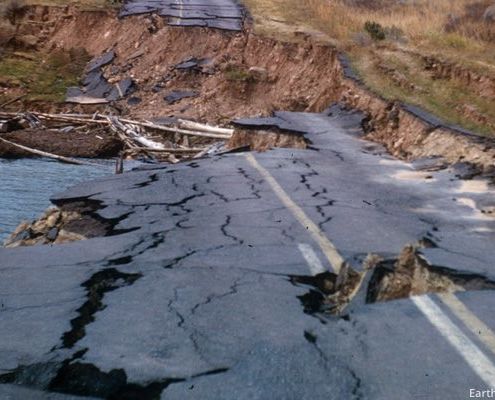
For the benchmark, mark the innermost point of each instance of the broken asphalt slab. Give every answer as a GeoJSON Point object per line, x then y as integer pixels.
{"type": "Point", "coordinates": [211, 240]}
{"type": "Point", "coordinates": [177, 95]}
{"type": "Point", "coordinates": [95, 87]}
{"type": "Point", "coordinates": [220, 14]}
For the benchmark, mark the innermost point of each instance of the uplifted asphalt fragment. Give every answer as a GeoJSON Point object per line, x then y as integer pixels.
{"type": "Point", "coordinates": [194, 64]}
{"type": "Point", "coordinates": [177, 95]}
{"type": "Point", "coordinates": [95, 87]}
{"type": "Point", "coordinates": [121, 89]}
{"type": "Point", "coordinates": [100, 61]}
{"type": "Point", "coordinates": [190, 63]}
{"type": "Point", "coordinates": [77, 95]}
{"type": "Point", "coordinates": [280, 120]}
{"type": "Point", "coordinates": [411, 275]}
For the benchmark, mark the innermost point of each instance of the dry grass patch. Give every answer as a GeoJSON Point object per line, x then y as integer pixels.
{"type": "Point", "coordinates": [457, 31]}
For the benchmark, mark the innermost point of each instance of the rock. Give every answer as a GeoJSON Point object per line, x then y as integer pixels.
{"type": "Point", "coordinates": [65, 237]}
{"type": "Point", "coordinates": [259, 74]}
{"type": "Point", "coordinates": [489, 14]}
{"type": "Point", "coordinates": [133, 101]}
{"type": "Point", "coordinates": [27, 41]}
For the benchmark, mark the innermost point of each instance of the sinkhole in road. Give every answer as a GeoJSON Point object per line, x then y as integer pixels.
{"type": "Point", "coordinates": [408, 275]}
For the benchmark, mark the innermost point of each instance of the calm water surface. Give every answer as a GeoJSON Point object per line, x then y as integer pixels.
{"type": "Point", "coordinates": [27, 184]}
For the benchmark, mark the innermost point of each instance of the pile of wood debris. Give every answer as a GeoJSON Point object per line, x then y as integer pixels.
{"type": "Point", "coordinates": [173, 141]}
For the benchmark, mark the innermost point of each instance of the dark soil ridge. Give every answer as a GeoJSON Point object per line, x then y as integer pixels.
{"type": "Point", "coordinates": [71, 144]}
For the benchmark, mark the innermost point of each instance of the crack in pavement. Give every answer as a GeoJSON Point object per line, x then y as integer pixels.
{"type": "Point", "coordinates": [232, 290]}
{"type": "Point", "coordinates": [97, 286]}
{"type": "Point", "coordinates": [252, 182]}
{"type": "Point", "coordinates": [223, 228]}
{"type": "Point", "coordinates": [312, 339]}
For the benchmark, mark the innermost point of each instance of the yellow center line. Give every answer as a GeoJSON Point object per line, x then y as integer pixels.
{"type": "Point", "coordinates": [329, 250]}
{"type": "Point", "coordinates": [469, 319]}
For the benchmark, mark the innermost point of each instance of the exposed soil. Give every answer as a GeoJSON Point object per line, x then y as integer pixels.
{"type": "Point", "coordinates": [262, 140]}
{"type": "Point", "coordinates": [411, 275]}
{"type": "Point", "coordinates": [70, 222]}
{"type": "Point", "coordinates": [243, 74]}
{"type": "Point", "coordinates": [409, 135]}
{"type": "Point", "coordinates": [384, 280]}
{"type": "Point", "coordinates": [71, 144]}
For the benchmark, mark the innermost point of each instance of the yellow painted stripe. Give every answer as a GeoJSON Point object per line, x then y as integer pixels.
{"type": "Point", "coordinates": [331, 253]}
{"type": "Point", "coordinates": [470, 320]}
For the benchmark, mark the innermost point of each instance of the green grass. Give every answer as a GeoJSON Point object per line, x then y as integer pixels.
{"type": "Point", "coordinates": [441, 97]}
{"type": "Point", "coordinates": [85, 4]}
{"type": "Point", "coordinates": [422, 33]}
{"type": "Point", "coordinates": [235, 74]}
{"type": "Point", "coordinates": [43, 78]}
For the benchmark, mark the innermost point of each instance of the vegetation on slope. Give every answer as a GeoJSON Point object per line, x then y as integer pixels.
{"type": "Point", "coordinates": [387, 41]}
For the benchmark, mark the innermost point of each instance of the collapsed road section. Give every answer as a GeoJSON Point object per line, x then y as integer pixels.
{"type": "Point", "coordinates": [220, 14]}
{"type": "Point", "coordinates": [325, 269]}
{"type": "Point", "coordinates": [250, 240]}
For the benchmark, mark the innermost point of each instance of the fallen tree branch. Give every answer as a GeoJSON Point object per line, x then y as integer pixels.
{"type": "Point", "coordinates": [12, 100]}
{"type": "Point", "coordinates": [151, 125]}
{"type": "Point", "coordinates": [174, 150]}
{"type": "Point", "coordinates": [132, 132]}
{"type": "Point", "coordinates": [203, 127]}
{"type": "Point", "coordinates": [200, 130]}
{"type": "Point", "coordinates": [66, 160]}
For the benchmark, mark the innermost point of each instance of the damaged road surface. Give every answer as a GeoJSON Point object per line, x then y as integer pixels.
{"type": "Point", "coordinates": [220, 14]}
{"type": "Point", "coordinates": [212, 281]}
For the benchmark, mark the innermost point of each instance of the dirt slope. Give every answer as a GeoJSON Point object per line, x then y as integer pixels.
{"type": "Point", "coordinates": [241, 74]}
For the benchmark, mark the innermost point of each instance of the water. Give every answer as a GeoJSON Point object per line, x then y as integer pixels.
{"type": "Point", "coordinates": [28, 183]}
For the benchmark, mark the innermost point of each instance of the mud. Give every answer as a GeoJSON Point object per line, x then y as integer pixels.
{"type": "Point", "coordinates": [262, 140]}
{"type": "Point", "coordinates": [70, 144]}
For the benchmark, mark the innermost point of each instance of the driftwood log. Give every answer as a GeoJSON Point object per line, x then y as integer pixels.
{"type": "Point", "coordinates": [184, 127]}
{"type": "Point", "coordinates": [66, 160]}
{"type": "Point", "coordinates": [134, 134]}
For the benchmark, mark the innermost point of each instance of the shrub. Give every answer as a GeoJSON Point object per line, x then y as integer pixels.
{"type": "Point", "coordinates": [13, 10]}
{"type": "Point", "coordinates": [375, 30]}
{"type": "Point", "coordinates": [237, 74]}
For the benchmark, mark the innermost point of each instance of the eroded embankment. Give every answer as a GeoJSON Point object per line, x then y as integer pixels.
{"type": "Point", "coordinates": [241, 74]}
{"type": "Point", "coordinates": [237, 75]}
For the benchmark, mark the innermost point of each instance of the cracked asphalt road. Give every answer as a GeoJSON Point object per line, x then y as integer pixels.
{"type": "Point", "coordinates": [194, 298]}
{"type": "Point", "coordinates": [220, 14]}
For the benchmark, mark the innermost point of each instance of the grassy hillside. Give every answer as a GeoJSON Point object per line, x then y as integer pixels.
{"type": "Point", "coordinates": [388, 39]}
